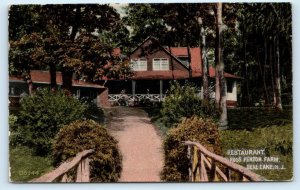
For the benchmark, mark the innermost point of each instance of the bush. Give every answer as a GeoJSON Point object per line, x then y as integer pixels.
{"type": "Point", "coordinates": [93, 111]}
{"type": "Point", "coordinates": [184, 102]}
{"type": "Point", "coordinates": [106, 164]}
{"type": "Point", "coordinates": [15, 137]}
{"type": "Point", "coordinates": [204, 131]}
{"type": "Point", "coordinates": [43, 114]}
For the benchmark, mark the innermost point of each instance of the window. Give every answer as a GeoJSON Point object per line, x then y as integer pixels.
{"type": "Point", "coordinates": [230, 86]}
{"type": "Point", "coordinates": [160, 64]}
{"type": "Point", "coordinates": [139, 64]}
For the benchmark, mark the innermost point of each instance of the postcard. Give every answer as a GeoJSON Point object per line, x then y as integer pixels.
{"type": "Point", "coordinates": [160, 92]}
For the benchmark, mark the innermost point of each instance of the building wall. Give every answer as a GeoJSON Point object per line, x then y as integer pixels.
{"type": "Point", "coordinates": [102, 98]}
{"type": "Point", "coordinates": [233, 95]}
{"type": "Point", "coordinates": [150, 51]}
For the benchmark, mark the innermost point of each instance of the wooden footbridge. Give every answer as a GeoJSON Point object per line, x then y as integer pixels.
{"type": "Point", "coordinates": [204, 166]}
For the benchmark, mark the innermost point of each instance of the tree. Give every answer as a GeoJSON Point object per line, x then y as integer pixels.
{"type": "Point", "coordinates": [221, 86]}
{"type": "Point", "coordinates": [266, 27]}
{"type": "Point", "coordinates": [22, 57]}
{"type": "Point", "coordinates": [67, 31]}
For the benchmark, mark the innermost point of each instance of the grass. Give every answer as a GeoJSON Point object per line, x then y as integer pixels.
{"type": "Point", "coordinates": [266, 129]}
{"type": "Point", "coordinates": [24, 166]}
{"type": "Point", "coordinates": [254, 128]}
{"type": "Point", "coordinates": [276, 140]}
{"type": "Point", "coordinates": [156, 119]}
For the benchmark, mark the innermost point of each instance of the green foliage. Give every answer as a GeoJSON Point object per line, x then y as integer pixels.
{"type": "Point", "coordinates": [204, 131]}
{"type": "Point", "coordinates": [251, 118]}
{"type": "Point", "coordinates": [266, 129]}
{"type": "Point", "coordinates": [43, 38]}
{"type": "Point", "coordinates": [15, 137]}
{"type": "Point", "coordinates": [183, 101]}
{"type": "Point", "coordinates": [42, 115]}
{"type": "Point", "coordinates": [276, 140]}
{"type": "Point", "coordinates": [106, 164]}
{"type": "Point", "coordinates": [25, 166]}
{"type": "Point", "coordinates": [93, 112]}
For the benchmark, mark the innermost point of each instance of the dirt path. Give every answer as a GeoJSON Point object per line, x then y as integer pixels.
{"type": "Point", "coordinates": [140, 144]}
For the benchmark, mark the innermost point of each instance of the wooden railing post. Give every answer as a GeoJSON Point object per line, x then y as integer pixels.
{"type": "Point", "coordinates": [83, 171]}
{"type": "Point", "coordinates": [189, 155]}
{"type": "Point", "coordinates": [196, 167]}
{"type": "Point", "coordinates": [214, 170]}
{"type": "Point", "coordinates": [203, 172]}
{"type": "Point", "coordinates": [228, 174]}
{"type": "Point", "coordinates": [212, 173]}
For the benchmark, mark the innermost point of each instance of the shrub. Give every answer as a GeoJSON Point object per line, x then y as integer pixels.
{"type": "Point", "coordinates": [204, 131]}
{"type": "Point", "coordinates": [43, 114]}
{"type": "Point", "coordinates": [93, 111]}
{"type": "Point", "coordinates": [106, 164]}
{"type": "Point", "coordinates": [184, 102]}
{"type": "Point", "coordinates": [14, 136]}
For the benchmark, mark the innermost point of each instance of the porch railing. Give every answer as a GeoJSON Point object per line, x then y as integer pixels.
{"type": "Point", "coordinates": [81, 160]}
{"type": "Point", "coordinates": [136, 97]}
{"type": "Point", "coordinates": [205, 166]}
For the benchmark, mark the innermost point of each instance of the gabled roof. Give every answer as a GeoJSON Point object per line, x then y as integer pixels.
{"type": "Point", "coordinates": [196, 59]}
{"type": "Point", "coordinates": [175, 52]}
{"type": "Point", "coordinates": [43, 77]}
{"type": "Point", "coordinates": [161, 47]}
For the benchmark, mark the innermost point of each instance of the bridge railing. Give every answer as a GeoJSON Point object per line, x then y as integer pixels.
{"type": "Point", "coordinates": [81, 160]}
{"type": "Point", "coordinates": [206, 166]}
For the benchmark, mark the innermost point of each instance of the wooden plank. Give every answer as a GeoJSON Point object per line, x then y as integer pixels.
{"type": "Point", "coordinates": [196, 170]}
{"type": "Point", "coordinates": [245, 179]}
{"type": "Point", "coordinates": [189, 155]}
{"type": "Point", "coordinates": [212, 173]}
{"type": "Point", "coordinates": [83, 171]}
{"type": "Point", "coordinates": [86, 170]}
{"type": "Point", "coordinates": [63, 168]}
{"type": "Point", "coordinates": [64, 179]}
{"type": "Point", "coordinates": [231, 165]}
{"type": "Point", "coordinates": [228, 174]}
{"type": "Point", "coordinates": [203, 172]}
{"type": "Point", "coordinates": [218, 170]}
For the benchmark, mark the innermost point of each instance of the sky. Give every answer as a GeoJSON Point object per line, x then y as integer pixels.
{"type": "Point", "coordinates": [120, 8]}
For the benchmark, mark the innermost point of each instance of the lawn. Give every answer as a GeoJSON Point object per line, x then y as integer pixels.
{"type": "Point", "coordinates": [24, 166]}
{"type": "Point", "coordinates": [255, 128]}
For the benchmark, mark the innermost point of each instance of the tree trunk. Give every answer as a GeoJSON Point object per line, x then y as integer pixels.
{"type": "Point", "coordinates": [30, 86]}
{"type": "Point", "coordinates": [204, 67]}
{"type": "Point", "coordinates": [53, 83]}
{"type": "Point", "coordinates": [262, 72]}
{"type": "Point", "coordinates": [245, 99]}
{"type": "Point", "coordinates": [66, 73]}
{"type": "Point", "coordinates": [67, 76]}
{"type": "Point", "coordinates": [220, 70]}
{"type": "Point", "coordinates": [76, 24]}
{"type": "Point", "coordinates": [272, 73]}
{"type": "Point", "coordinates": [278, 104]}
{"type": "Point", "coordinates": [267, 101]}
{"type": "Point", "coordinates": [189, 58]}
{"type": "Point", "coordinates": [172, 64]}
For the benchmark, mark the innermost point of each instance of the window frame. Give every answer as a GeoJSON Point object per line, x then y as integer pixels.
{"type": "Point", "coordinates": [137, 64]}
{"type": "Point", "coordinates": [160, 63]}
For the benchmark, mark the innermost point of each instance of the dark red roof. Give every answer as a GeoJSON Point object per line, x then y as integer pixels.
{"type": "Point", "coordinates": [38, 76]}
{"type": "Point", "coordinates": [196, 62]}
{"type": "Point", "coordinates": [176, 74]}
{"type": "Point", "coordinates": [195, 56]}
